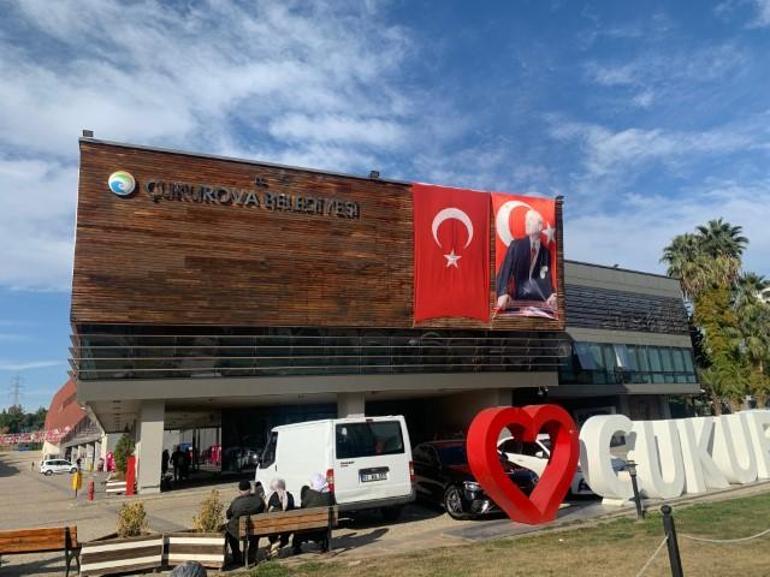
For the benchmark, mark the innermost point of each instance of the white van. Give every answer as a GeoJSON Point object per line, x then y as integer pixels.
{"type": "Point", "coordinates": [367, 461]}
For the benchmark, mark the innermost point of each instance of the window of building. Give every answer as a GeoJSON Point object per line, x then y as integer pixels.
{"type": "Point", "coordinates": [666, 360]}
{"type": "Point", "coordinates": [598, 363]}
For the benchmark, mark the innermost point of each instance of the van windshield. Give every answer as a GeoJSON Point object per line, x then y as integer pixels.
{"type": "Point", "coordinates": [369, 439]}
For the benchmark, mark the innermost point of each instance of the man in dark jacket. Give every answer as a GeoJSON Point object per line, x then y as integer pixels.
{"type": "Point", "coordinates": [244, 504]}
{"type": "Point", "coordinates": [317, 497]}
{"type": "Point", "coordinates": [525, 274]}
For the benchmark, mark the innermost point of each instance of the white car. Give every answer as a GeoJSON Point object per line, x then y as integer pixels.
{"type": "Point", "coordinates": [367, 461]}
{"type": "Point", "coordinates": [53, 466]}
{"type": "Point", "coordinates": [535, 457]}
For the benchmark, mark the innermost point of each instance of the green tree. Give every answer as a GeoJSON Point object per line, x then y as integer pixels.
{"type": "Point", "coordinates": [12, 419]}
{"type": "Point", "coordinates": [720, 238]}
{"type": "Point", "coordinates": [123, 450]}
{"type": "Point", "coordinates": [708, 264]}
{"type": "Point", "coordinates": [753, 315]}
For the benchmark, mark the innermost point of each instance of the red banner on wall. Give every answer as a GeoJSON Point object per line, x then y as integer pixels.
{"type": "Point", "coordinates": [451, 252]}
{"type": "Point", "coordinates": [525, 255]}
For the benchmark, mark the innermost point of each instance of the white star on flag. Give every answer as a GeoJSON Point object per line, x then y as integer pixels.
{"type": "Point", "coordinates": [451, 259]}
{"type": "Point", "coordinates": [549, 233]}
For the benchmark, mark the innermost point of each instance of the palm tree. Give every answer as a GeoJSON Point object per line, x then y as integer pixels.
{"type": "Point", "coordinates": [749, 289]}
{"type": "Point", "coordinates": [684, 259]}
{"type": "Point", "coordinates": [719, 239]}
{"type": "Point", "coordinates": [724, 381]}
{"type": "Point", "coordinates": [753, 315]}
{"type": "Point", "coordinates": [696, 269]}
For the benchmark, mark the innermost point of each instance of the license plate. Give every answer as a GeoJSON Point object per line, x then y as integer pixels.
{"type": "Point", "coordinates": [369, 477]}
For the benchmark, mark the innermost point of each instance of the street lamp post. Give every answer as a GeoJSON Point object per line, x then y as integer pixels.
{"type": "Point", "coordinates": [631, 468]}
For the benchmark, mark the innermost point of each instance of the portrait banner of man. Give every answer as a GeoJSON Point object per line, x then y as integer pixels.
{"type": "Point", "coordinates": [525, 256]}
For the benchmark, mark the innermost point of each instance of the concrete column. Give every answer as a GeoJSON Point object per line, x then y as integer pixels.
{"type": "Point", "coordinates": [150, 446]}
{"type": "Point", "coordinates": [624, 406]}
{"type": "Point", "coordinates": [350, 405]}
{"type": "Point", "coordinates": [665, 408]}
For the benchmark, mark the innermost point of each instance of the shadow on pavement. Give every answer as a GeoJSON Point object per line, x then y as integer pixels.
{"type": "Point", "coordinates": [373, 518]}
{"type": "Point", "coordinates": [7, 470]}
{"type": "Point", "coordinates": [357, 539]}
{"type": "Point", "coordinates": [203, 478]}
{"type": "Point", "coordinates": [15, 567]}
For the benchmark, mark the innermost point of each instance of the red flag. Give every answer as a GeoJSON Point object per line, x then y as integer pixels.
{"type": "Point", "coordinates": [451, 252]}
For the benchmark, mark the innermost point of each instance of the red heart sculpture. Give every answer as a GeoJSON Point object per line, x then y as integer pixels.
{"type": "Point", "coordinates": [524, 423]}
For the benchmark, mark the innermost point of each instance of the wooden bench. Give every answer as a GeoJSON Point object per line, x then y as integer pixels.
{"type": "Point", "coordinates": [44, 540]}
{"type": "Point", "coordinates": [295, 521]}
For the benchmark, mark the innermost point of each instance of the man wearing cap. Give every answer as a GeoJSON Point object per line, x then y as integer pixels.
{"type": "Point", "coordinates": [244, 504]}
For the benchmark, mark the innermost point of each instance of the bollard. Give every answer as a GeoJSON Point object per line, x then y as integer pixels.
{"type": "Point", "coordinates": [631, 468]}
{"type": "Point", "coordinates": [673, 547]}
{"type": "Point", "coordinates": [91, 489]}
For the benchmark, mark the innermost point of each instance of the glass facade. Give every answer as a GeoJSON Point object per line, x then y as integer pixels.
{"type": "Point", "coordinates": [604, 363]}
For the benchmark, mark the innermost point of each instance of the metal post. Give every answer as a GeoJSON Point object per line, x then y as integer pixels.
{"type": "Point", "coordinates": [631, 468]}
{"type": "Point", "coordinates": [673, 547]}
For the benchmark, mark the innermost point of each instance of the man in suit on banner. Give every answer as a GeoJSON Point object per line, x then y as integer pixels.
{"type": "Point", "coordinates": [525, 274]}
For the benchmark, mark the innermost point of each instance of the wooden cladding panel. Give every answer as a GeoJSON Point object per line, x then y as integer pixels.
{"type": "Point", "coordinates": [178, 262]}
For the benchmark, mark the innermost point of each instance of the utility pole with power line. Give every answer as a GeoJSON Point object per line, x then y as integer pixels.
{"type": "Point", "coordinates": [16, 391]}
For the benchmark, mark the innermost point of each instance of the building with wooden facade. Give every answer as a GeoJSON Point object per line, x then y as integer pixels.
{"type": "Point", "coordinates": [211, 291]}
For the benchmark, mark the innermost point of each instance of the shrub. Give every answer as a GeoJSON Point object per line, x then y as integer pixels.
{"type": "Point", "coordinates": [209, 516]}
{"type": "Point", "coordinates": [132, 519]}
{"type": "Point", "coordinates": [123, 450]}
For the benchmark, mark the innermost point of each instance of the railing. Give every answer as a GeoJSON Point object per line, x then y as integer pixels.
{"type": "Point", "coordinates": [110, 355]}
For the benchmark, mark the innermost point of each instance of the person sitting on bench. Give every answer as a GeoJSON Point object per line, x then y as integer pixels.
{"type": "Point", "coordinates": [280, 500]}
{"type": "Point", "coordinates": [317, 495]}
{"type": "Point", "coordinates": [244, 504]}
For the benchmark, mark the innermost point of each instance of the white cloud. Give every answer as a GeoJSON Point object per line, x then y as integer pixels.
{"type": "Point", "coordinates": [668, 73]}
{"type": "Point", "coordinates": [337, 128]}
{"type": "Point", "coordinates": [298, 82]}
{"type": "Point", "coordinates": [762, 17]}
{"type": "Point", "coordinates": [6, 365]}
{"type": "Point", "coordinates": [37, 204]}
{"type": "Point", "coordinates": [13, 337]}
{"type": "Point", "coordinates": [635, 235]}
{"type": "Point", "coordinates": [607, 151]}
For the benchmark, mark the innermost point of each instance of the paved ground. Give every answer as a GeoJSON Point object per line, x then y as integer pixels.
{"type": "Point", "coordinates": [28, 499]}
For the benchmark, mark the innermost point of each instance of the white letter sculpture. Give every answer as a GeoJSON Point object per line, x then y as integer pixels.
{"type": "Point", "coordinates": [674, 456]}
{"type": "Point", "coordinates": [759, 429]}
{"type": "Point", "coordinates": [659, 459]}
{"type": "Point", "coordinates": [733, 451]}
{"type": "Point", "coordinates": [700, 470]}
{"type": "Point", "coordinates": [596, 460]}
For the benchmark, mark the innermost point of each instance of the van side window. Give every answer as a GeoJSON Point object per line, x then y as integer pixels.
{"type": "Point", "coordinates": [268, 455]}
{"type": "Point", "coordinates": [369, 439]}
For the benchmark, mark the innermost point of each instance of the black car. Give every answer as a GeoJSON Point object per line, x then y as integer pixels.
{"type": "Point", "coordinates": [443, 477]}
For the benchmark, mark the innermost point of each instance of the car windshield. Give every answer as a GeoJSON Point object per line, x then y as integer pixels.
{"type": "Point", "coordinates": [452, 455]}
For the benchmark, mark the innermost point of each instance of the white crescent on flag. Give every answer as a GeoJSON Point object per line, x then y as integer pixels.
{"type": "Point", "coordinates": [503, 219]}
{"type": "Point", "coordinates": [448, 213]}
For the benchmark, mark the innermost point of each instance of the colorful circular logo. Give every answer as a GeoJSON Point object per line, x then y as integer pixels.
{"type": "Point", "coordinates": [122, 183]}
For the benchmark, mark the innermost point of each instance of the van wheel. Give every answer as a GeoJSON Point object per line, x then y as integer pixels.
{"type": "Point", "coordinates": [391, 514]}
{"type": "Point", "coordinates": [48, 473]}
{"type": "Point", "coordinates": [453, 502]}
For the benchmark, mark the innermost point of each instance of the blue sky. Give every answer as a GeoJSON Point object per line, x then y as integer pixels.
{"type": "Point", "coordinates": [649, 117]}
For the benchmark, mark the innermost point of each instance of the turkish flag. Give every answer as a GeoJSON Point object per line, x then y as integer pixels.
{"type": "Point", "coordinates": [451, 252]}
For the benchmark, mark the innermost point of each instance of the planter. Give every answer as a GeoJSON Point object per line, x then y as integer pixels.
{"type": "Point", "coordinates": [208, 549]}
{"type": "Point", "coordinates": [113, 554]}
